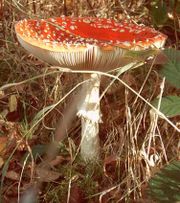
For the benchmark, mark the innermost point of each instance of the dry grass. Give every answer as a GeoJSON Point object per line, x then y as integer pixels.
{"type": "Point", "coordinates": [135, 142]}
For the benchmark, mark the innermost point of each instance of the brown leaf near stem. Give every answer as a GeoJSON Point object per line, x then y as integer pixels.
{"type": "Point", "coordinates": [15, 109]}
{"type": "Point", "coordinates": [76, 194]}
{"type": "Point", "coordinates": [1, 94]}
{"type": "Point", "coordinates": [129, 79]}
{"type": "Point", "coordinates": [46, 174]}
{"type": "Point", "coordinates": [12, 136]}
{"type": "Point", "coordinates": [1, 162]}
{"type": "Point", "coordinates": [110, 166]}
{"type": "Point", "coordinates": [13, 103]}
{"type": "Point", "coordinates": [12, 175]}
{"type": "Point", "coordinates": [13, 116]}
{"type": "Point", "coordinates": [57, 161]}
{"type": "Point", "coordinates": [3, 144]}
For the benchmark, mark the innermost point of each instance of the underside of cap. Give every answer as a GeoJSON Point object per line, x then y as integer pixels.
{"type": "Point", "coordinates": [91, 58]}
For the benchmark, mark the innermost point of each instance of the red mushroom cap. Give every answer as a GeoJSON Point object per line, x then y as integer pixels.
{"type": "Point", "coordinates": [86, 42]}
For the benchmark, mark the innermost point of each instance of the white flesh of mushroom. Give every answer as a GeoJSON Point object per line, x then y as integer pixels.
{"type": "Point", "coordinates": [90, 115]}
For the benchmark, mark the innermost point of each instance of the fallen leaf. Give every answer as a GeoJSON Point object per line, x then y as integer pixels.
{"type": "Point", "coordinates": [46, 174]}
{"type": "Point", "coordinates": [4, 113]}
{"type": "Point", "coordinates": [12, 175]}
{"type": "Point", "coordinates": [69, 3]}
{"type": "Point", "coordinates": [57, 161]}
{"type": "Point", "coordinates": [76, 194]}
{"type": "Point", "coordinates": [1, 162]}
{"type": "Point", "coordinates": [110, 166]}
{"type": "Point", "coordinates": [3, 144]}
{"type": "Point", "coordinates": [13, 103]}
{"type": "Point", "coordinates": [13, 116]}
{"type": "Point", "coordinates": [15, 109]}
{"type": "Point", "coordinates": [1, 94]}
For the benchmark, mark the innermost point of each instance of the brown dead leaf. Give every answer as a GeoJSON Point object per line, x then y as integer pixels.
{"type": "Point", "coordinates": [12, 175]}
{"type": "Point", "coordinates": [46, 174]}
{"type": "Point", "coordinates": [15, 109]}
{"type": "Point", "coordinates": [110, 166]}
{"type": "Point", "coordinates": [69, 4]}
{"type": "Point", "coordinates": [129, 79]}
{"type": "Point", "coordinates": [13, 116]}
{"type": "Point", "coordinates": [12, 138]}
{"type": "Point", "coordinates": [1, 162]}
{"type": "Point", "coordinates": [1, 94]}
{"type": "Point", "coordinates": [13, 103]}
{"type": "Point", "coordinates": [57, 161]}
{"type": "Point", "coordinates": [3, 144]}
{"type": "Point", "coordinates": [76, 194]}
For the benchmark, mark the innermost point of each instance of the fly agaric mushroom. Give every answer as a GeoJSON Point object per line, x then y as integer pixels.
{"type": "Point", "coordinates": [87, 43]}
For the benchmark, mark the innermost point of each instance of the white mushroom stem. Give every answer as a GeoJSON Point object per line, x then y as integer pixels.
{"type": "Point", "coordinates": [90, 114]}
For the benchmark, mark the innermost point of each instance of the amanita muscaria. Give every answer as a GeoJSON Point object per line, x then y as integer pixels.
{"type": "Point", "coordinates": [87, 43]}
